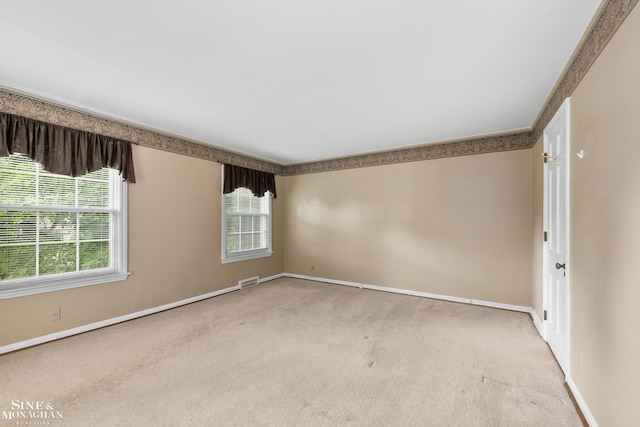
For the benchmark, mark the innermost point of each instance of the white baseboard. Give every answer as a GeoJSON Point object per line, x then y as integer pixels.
{"type": "Point", "coordinates": [502, 306]}
{"type": "Point", "coordinates": [536, 321]}
{"type": "Point", "coordinates": [451, 298]}
{"type": "Point", "coordinates": [97, 325]}
{"type": "Point", "coordinates": [581, 402]}
{"type": "Point", "coordinates": [320, 279]}
{"type": "Point", "coordinates": [267, 279]}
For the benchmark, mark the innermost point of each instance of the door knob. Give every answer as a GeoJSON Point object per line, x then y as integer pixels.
{"type": "Point", "coordinates": [559, 266]}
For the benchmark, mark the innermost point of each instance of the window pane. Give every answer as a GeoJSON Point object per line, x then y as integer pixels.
{"type": "Point", "coordinates": [17, 188]}
{"type": "Point", "coordinates": [94, 226]}
{"type": "Point", "coordinates": [57, 226]}
{"type": "Point", "coordinates": [93, 194]}
{"type": "Point", "coordinates": [18, 162]}
{"type": "Point", "coordinates": [17, 227]}
{"type": "Point", "coordinates": [233, 242]}
{"type": "Point", "coordinates": [94, 255]}
{"type": "Point", "coordinates": [257, 240]}
{"type": "Point", "coordinates": [245, 242]}
{"type": "Point", "coordinates": [17, 261]}
{"type": "Point", "coordinates": [101, 175]}
{"type": "Point", "coordinates": [257, 223]}
{"type": "Point", "coordinates": [244, 200]}
{"type": "Point", "coordinates": [233, 224]}
{"type": "Point", "coordinates": [57, 258]}
{"type": "Point", "coordinates": [231, 202]}
{"type": "Point", "coordinates": [55, 190]}
{"type": "Point", "coordinates": [246, 222]}
{"type": "Point", "coordinates": [256, 205]}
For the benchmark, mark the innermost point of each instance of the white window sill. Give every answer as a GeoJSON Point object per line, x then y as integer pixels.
{"type": "Point", "coordinates": [246, 257]}
{"type": "Point", "coordinates": [33, 287]}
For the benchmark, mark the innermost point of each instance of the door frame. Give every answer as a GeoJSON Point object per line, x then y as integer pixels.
{"type": "Point", "coordinates": [563, 113]}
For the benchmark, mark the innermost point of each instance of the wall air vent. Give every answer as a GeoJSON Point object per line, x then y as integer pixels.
{"type": "Point", "coordinates": [251, 281]}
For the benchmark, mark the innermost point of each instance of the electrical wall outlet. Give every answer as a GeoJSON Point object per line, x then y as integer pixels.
{"type": "Point", "coordinates": [54, 314]}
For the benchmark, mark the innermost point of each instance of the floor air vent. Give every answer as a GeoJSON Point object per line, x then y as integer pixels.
{"type": "Point", "coordinates": [251, 281]}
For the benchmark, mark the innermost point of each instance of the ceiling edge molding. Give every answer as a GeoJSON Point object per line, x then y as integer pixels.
{"type": "Point", "coordinates": [482, 145]}
{"type": "Point", "coordinates": [610, 19]}
{"type": "Point", "coordinates": [34, 108]}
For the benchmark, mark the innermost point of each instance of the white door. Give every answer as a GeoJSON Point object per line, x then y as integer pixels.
{"type": "Point", "coordinates": [556, 207]}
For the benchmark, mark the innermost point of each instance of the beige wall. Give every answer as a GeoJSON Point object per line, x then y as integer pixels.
{"type": "Point", "coordinates": [457, 226]}
{"type": "Point", "coordinates": [174, 251]}
{"type": "Point", "coordinates": [605, 230]}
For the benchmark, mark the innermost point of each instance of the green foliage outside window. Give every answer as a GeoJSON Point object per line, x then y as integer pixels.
{"type": "Point", "coordinates": [43, 228]}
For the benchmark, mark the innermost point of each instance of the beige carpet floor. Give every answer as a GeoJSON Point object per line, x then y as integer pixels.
{"type": "Point", "coordinates": [299, 353]}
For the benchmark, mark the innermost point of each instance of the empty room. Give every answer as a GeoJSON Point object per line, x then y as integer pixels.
{"type": "Point", "coordinates": [365, 213]}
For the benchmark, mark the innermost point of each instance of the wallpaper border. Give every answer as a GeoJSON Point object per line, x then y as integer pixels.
{"type": "Point", "coordinates": [34, 108]}
{"type": "Point", "coordinates": [465, 147]}
{"type": "Point", "coordinates": [611, 18]}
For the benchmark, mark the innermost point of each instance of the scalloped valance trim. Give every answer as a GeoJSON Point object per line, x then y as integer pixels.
{"type": "Point", "coordinates": [257, 181]}
{"type": "Point", "coordinates": [62, 150]}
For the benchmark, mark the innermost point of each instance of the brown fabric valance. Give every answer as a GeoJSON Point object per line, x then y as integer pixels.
{"type": "Point", "coordinates": [256, 181]}
{"type": "Point", "coordinates": [63, 150]}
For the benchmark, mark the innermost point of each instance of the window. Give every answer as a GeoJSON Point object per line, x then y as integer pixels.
{"type": "Point", "coordinates": [246, 225]}
{"type": "Point", "coordinates": [58, 232]}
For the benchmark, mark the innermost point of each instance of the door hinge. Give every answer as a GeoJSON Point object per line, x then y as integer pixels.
{"type": "Point", "coordinates": [544, 236]}
{"type": "Point", "coordinates": [544, 315]}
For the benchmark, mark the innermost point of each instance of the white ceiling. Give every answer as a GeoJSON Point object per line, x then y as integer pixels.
{"type": "Point", "coordinates": [297, 80]}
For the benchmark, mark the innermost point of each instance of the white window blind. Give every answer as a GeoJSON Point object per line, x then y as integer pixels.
{"type": "Point", "coordinates": [246, 225]}
{"type": "Point", "coordinates": [55, 229]}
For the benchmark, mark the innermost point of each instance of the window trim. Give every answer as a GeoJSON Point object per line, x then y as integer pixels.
{"type": "Point", "coordinates": [119, 254]}
{"type": "Point", "coordinates": [250, 254]}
